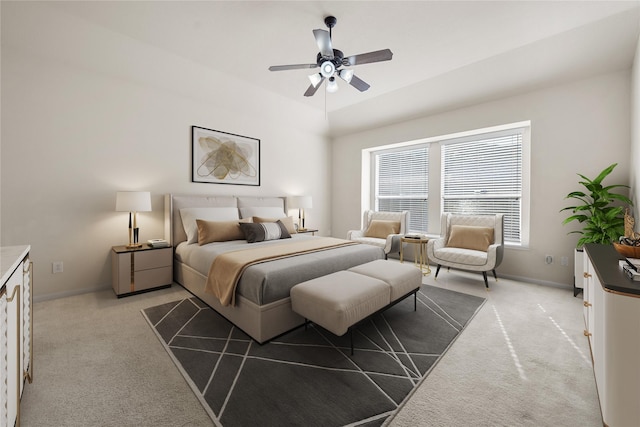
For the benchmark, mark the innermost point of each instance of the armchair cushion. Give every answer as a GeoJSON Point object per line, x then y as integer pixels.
{"type": "Point", "coordinates": [466, 259]}
{"type": "Point", "coordinates": [381, 228]}
{"type": "Point", "coordinates": [470, 237]}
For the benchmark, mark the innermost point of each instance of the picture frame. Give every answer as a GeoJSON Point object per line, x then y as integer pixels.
{"type": "Point", "coordinates": [224, 158]}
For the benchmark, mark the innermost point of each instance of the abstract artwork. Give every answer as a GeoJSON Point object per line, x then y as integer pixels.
{"type": "Point", "coordinates": [224, 158]}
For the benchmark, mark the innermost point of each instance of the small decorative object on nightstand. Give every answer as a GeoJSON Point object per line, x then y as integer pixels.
{"type": "Point", "coordinates": [158, 243]}
{"type": "Point", "coordinates": [137, 270]}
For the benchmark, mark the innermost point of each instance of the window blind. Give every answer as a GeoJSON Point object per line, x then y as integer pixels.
{"type": "Point", "coordinates": [484, 176]}
{"type": "Point", "coordinates": [401, 182]}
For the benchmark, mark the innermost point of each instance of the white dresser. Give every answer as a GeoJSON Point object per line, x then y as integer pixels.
{"type": "Point", "coordinates": [16, 356]}
{"type": "Point", "coordinates": [612, 324]}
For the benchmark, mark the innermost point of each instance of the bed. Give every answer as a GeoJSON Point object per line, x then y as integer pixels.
{"type": "Point", "coordinates": [262, 306]}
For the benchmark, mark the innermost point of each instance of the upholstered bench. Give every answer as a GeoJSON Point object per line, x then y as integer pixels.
{"type": "Point", "coordinates": [340, 300]}
{"type": "Point", "coordinates": [403, 279]}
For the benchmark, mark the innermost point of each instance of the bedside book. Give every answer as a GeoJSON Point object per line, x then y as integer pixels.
{"type": "Point", "coordinates": [414, 236]}
{"type": "Point", "coordinates": [158, 243]}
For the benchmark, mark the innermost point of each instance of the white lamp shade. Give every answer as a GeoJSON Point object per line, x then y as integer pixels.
{"type": "Point", "coordinates": [327, 69]}
{"type": "Point", "coordinates": [316, 79]}
{"type": "Point", "coordinates": [133, 201]}
{"type": "Point", "coordinates": [346, 75]}
{"type": "Point", "coordinates": [332, 85]}
{"type": "Point", "coordinates": [301, 202]}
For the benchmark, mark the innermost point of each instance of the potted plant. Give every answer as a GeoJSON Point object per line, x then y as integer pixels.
{"type": "Point", "coordinates": [603, 221]}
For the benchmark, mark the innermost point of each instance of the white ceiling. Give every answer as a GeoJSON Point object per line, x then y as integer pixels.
{"type": "Point", "coordinates": [446, 53]}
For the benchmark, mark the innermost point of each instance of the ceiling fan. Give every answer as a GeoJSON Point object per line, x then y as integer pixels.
{"type": "Point", "coordinates": [329, 60]}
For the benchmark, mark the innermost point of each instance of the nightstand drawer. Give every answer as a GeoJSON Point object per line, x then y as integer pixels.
{"type": "Point", "coordinates": [152, 259]}
{"type": "Point", "coordinates": [147, 279]}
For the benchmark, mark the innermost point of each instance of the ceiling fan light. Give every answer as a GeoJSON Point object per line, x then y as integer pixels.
{"type": "Point", "coordinates": [315, 79]}
{"type": "Point", "coordinates": [327, 69]}
{"type": "Point", "coordinates": [332, 85]}
{"type": "Point", "coordinates": [346, 75]}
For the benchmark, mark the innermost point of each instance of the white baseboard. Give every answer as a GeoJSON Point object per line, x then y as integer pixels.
{"type": "Point", "coordinates": [47, 297]}
{"type": "Point", "coordinates": [535, 281]}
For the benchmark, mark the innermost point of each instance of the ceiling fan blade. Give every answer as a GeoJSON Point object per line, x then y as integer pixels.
{"type": "Point", "coordinates": [324, 43]}
{"type": "Point", "coordinates": [366, 58]}
{"type": "Point", "coordinates": [359, 84]}
{"type": "Point", "coordinates": [292, 67]}
{"type": "Point", "coordinates": [313, 88]}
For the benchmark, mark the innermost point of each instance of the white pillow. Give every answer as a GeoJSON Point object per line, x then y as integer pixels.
{"type": "Point", "coordinates": [189, 216]}
{"type": "Point", "coordinates": [263, 211]}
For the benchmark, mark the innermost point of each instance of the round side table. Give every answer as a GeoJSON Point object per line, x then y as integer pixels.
{"type": "Point", "coordinates": [420, 258]}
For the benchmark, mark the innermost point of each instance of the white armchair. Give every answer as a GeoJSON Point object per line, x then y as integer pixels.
{"type": "Point", "coordinates": [469, 242]}
{"type": "Point", "coordinates": [382, 229]}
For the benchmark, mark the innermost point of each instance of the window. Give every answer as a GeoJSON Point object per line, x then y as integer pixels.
{"type": "Point", "coordinates": [484, 176]}
{"type": "Point", "coordinates": [476, 172]}
{"type": "Point", "coordinates": [401, 183]}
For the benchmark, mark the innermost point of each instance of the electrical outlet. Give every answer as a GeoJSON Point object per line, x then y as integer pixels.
{"type": "Point", "coordinates": [58, 267]}
{"type": "Point", "coordinates": [564, 261]}
{"type": "Point", "coordinates": [548, 259]}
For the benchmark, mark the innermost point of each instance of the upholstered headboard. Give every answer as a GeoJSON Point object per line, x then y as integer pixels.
{"type": "Point", "coordinates": [173, 228]}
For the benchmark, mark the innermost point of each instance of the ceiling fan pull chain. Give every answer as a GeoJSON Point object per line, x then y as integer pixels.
{"type": "Point", "coordinates": [326, 117]}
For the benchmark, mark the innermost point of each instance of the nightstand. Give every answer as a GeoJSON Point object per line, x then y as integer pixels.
{"type": "Point", "coordinates": [308, 230]}
{"type": "Point", "coordinates": [140, 269]}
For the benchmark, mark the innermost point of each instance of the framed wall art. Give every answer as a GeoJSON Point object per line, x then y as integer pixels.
{"type": "Point", "coordinates": [224, 158]}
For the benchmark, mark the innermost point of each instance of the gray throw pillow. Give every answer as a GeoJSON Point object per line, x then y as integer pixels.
{"type": "Point", "coordinates": [264, 231]}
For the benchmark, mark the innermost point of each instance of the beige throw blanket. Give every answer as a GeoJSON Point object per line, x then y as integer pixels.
{"type": "Point", "coordinates": [226, 269]}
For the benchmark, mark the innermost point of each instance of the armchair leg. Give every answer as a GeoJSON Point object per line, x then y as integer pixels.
{"type": "Point", "coordinates": [494, 274]}
{"type": "Point", "coordinates": [437, 270]}
{"type": "Point", "coordinates": [486, 283]}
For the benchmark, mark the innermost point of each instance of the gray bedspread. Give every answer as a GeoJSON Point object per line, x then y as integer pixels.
{"type": "Point", "coordinates": [272, 280]}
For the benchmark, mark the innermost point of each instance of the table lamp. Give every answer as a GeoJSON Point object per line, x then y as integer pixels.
{"type": "Point", "coordinates": [133, 202]}
{"type": "Point", "coordinates": [301, 203]}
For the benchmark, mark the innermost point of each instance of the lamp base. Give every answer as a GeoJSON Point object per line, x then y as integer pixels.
{"type": "Point", "coordinates": [302, 229]}
{"type": "Point", "coordinates": [134, 245]}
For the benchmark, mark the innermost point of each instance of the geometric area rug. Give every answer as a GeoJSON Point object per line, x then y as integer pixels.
{"type": "Point", "coordinates": [308, 377]}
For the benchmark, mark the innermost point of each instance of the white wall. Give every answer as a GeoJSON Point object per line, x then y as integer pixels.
{"type": "Point", "coordinates": [580, 127]}
{"type": "Point", "coordinates": [87, 112]}
{"type": "Point", "coordinates": [635, 135]}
